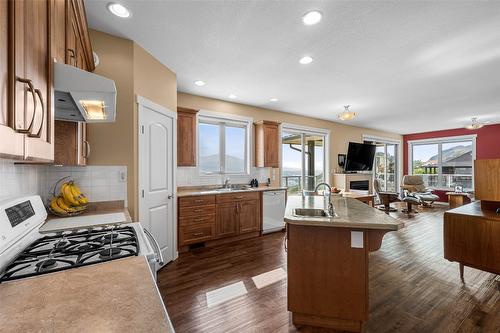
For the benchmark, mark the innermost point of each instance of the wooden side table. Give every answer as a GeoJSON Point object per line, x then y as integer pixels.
{"type": "Point", "coordinates": [457, 199]}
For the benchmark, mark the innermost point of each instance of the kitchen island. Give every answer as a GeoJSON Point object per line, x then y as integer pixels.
{"type": "Point", "coordinates": [328, 259]}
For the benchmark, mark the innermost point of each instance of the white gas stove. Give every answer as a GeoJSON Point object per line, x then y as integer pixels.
{"type": "Point", "coordinates": [26, 252]}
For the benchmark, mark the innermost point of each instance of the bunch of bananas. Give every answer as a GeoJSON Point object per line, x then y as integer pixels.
{"type": "Point", "coordinates": [71, 201]}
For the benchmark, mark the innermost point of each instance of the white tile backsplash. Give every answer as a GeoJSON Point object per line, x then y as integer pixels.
{"type": "Point", "coordinates": [99, 183]}
{"type": "Point", "coordinates": [190, 176]}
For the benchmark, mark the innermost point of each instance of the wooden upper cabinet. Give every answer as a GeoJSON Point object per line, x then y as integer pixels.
{"type": "Point", "coordinates": [11, 141]}
{"type": "Point", "coordinates": [186, 136]}
{"type": "Point", "coordinates": [31, 77]}
{"type": "Point", "coordinates": [78, 47]}
{"type": "Point", "coordinates": [267, 144]}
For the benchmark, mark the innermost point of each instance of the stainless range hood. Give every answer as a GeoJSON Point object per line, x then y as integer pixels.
{"type": "Point", "coordinates": [83, 96]}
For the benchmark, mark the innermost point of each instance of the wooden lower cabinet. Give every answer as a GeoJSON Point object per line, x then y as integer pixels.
{"type": "Point", "coordinates": [249, 216]}
{"type": "Point", "coordinates": [227, 220]}
{"type": "Point", "coordinates": [214, 219]}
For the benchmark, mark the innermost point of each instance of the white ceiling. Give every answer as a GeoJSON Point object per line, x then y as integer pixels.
{"type": "Point", "coordinates": [404, 67]}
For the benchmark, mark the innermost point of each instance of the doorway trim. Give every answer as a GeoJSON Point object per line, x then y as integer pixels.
{"type": "Point", "coordinates": [399, 143]}
{"type": "Point", "coordinates": [284, 127]}
{"type": "Point", "coordinates": [146, 103]}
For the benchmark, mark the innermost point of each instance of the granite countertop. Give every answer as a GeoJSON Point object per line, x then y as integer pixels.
{"type": "Point", "coordinates": [116, 296]}
{"type": "Point", "coordinates": [190, 191]}
{"type": "Point", "coordinates": [351, 213]}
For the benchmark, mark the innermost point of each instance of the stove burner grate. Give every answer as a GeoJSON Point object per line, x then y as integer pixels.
{"type": "Point", "coordinates": [47, 263]}
{"type": "Point", "coordinates": [110, 252]}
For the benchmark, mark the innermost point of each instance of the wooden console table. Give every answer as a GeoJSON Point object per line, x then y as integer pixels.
{"type": "Point", "coordinates": [471, 237]}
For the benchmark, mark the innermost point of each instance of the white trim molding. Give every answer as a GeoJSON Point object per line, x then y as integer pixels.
{"type": "Point", "coordinates": [369, 137]}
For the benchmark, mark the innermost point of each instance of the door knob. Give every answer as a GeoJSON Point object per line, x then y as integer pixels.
{"type": "Point", "coordinates": [170, 196]}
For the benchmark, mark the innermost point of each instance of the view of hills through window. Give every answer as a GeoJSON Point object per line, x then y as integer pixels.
{"type": "Point", "coordinates": [444, 165]}
{"type": "Point", "coordinates": [222, 148]}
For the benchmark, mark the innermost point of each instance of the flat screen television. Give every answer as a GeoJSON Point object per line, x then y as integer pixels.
{"type": "Point", "coordinates": [359, 157]}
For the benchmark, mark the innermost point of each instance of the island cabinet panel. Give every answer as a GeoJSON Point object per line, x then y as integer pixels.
{"type": "Point", "coordinates": [267, 144]}
{"type": "Point", "coordinates": [249, 214]}
{"type": "Point", "coordinates": [227, 220]}
{"type": "Point", "coordinates": [327, 278]}
{"type": "Point", "coordinates": [186, 136]}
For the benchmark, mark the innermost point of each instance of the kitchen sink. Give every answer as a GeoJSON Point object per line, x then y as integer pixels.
{"type": "Point", "coordinates": [310, 212]}
{"type": "Point", "coordinates": [233, 188]}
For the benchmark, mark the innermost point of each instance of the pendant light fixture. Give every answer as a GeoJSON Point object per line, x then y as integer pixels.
{"type": "Point", "coordinates": [347, 114]}
{"type": "Point", "coordinates": [474, 125]}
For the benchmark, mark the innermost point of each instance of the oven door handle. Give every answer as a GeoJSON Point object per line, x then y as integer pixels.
{"type": "Point", "coordinates": [159, 255]}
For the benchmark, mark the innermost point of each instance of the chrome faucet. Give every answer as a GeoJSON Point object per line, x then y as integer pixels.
{"type": "Point", "coordinates": [330, 205]}
{"type": "Point", "coordinates": [226, 183]}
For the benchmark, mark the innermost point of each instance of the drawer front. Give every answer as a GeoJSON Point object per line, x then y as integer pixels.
{"type": "Point", "coordinates": [231, 197]}
{"type": "Point", "coordinates": [196, 200]}
{"type": "Point", "coordinates": [196, 234]}
{"type": "Point", "coordinates": [196, 220]}
{"type": "Point", "coordinates": [197, 211]}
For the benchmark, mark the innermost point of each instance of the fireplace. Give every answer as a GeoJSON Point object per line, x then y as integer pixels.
{"type": "Point", "coordinates": [360, 185]}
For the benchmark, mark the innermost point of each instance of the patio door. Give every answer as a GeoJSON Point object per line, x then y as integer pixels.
{"type": "Point", "coordinates": [303, 157]}
{"type": "Point", "coordinates": [385, 166]}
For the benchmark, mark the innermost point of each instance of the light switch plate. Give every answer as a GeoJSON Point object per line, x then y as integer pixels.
{"type": "Point", "coordinates": [357, 239]}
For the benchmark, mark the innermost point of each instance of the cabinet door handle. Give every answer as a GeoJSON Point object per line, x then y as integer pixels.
{"type": "Point", "coordinates": [72, 55]}
{"type": "Point", "coordinates": [39, 133]}
{"type": "Point", "coordinates": [87, 149]}
{"type": "Point", "coordinates": [31, 89]}
{"type": "Point", "coordinates": [239, 197]}
{"type": "Point", "coordinates": [198, 234]}
{"type": "Point", "coordinates": [198, 201]}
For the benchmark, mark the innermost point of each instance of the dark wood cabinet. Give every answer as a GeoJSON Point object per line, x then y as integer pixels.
{"type": "Point", "coordinates": [227, 219]}
{"type": "Point", "coordinates": [267, 144]}
{"type": "Point", "coordinates": [186, 136]}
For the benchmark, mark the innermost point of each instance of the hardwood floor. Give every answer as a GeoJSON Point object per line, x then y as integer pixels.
{"type": "Point", "coordinates": [412, 287]}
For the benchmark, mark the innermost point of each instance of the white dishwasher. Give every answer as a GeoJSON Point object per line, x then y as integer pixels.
{"type": "Point", "coordinates": [273, 211]}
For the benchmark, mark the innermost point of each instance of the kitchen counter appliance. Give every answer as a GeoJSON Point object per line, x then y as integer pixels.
{"type": "Point", "coordinates": [26, 252]}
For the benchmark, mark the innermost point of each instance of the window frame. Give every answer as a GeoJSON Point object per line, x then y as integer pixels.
{"type": "Point", "coordinates": [305, 130]}
{"type": "Point", "coordinates": [223, 120]}
{"type": "Point", "coordinates": [440, 142]}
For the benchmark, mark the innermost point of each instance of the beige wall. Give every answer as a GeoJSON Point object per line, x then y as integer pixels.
{"type": "Point", "coordinates": [340, 134]}
{"type": "Point", "coordinates": [135, 72]}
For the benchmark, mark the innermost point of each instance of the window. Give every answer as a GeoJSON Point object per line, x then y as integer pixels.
{"type": "Point", "coordinates": [444, 163]}
{"type": "Point", "coordinates": [223, 145]}
{"type": "Point", "coordinates": [304, 159]}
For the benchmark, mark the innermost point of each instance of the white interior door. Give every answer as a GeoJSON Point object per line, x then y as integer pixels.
{"type": "Point", "coordinates": [157, 133]}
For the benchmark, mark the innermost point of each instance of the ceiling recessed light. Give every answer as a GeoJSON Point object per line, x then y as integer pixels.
{"type": "Point", "coordinates": [199, 83]}
{"type": "Point", "coordinates": [274, 100]}
{"type": "Point", "coordinates": [232, 96]}
{"type": "Point", "coordinates": [118, 10]}
{"type": "Point", "coordinates": [312, 17]}
{"type": "Point", "coordinates": [305, 60]}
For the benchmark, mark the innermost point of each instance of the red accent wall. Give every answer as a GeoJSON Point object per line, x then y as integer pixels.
{"type": "Point", "coordinates": [487, 144]}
